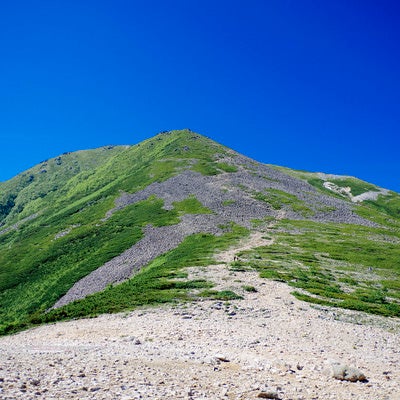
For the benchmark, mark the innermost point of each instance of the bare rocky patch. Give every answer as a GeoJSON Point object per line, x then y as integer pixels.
{"type": "Point", "coordinates": [229, 196]}
{"type": "Point", "coordinates": [269, 343]}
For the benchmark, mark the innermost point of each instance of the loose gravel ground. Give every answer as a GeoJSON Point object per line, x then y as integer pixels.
{"type": "Point", "coordinates": [267, 344]}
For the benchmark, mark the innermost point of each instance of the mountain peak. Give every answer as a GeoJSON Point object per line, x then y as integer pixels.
{"type": "Point", "coordinates": [112, 228]}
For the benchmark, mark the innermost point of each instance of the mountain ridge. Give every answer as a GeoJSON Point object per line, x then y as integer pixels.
{"type": "Point", "coordinates": [109, 206]}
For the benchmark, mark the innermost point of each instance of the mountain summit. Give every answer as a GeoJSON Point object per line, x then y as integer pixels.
{"type": "Point", "coordinates": [113, 228]}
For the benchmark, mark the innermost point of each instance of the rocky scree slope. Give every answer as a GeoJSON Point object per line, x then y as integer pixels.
{"type": "Point", "coordinates": [95, 219]}
{"type": "Point", "coordinates": [230, 197]}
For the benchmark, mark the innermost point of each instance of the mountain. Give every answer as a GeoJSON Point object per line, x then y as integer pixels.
{"type": "Point", "coordinates": [114, 228]}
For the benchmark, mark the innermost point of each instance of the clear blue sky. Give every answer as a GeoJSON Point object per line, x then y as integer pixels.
{"type": "Point", "coordinates": [308, 84]}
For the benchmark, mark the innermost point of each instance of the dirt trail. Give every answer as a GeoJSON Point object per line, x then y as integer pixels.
{"type": "Point", "coordinates": [271, 343]}
{"type": "Point", "coordinates": [256, 239]}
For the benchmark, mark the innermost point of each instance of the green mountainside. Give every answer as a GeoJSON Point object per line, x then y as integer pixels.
{"type": "Point", "coordinates": [114, 228]}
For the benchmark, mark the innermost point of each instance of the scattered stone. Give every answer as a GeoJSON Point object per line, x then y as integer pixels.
{"type": "Point", "coordinates": [221, 357]}
{"type": "Point", "coordinates": [134, 340]}
{"type": "Point", "coordinates": [344, 372]}
{"type": "Point", "coordinates": [212, 360]}
{"type": "Point", "coordinates": [166, 367]}
{"type": "Point", "coordinates": [268, 395]}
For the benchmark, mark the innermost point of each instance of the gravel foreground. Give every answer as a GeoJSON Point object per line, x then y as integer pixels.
{"type": "Point", "coordinates": [268, 345]}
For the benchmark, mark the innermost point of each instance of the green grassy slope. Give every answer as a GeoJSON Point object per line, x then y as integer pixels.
{"type": "Point", "coordinates": [53, 233]}
{"type": "Point", "coordinates": [68, 238]}
{"type": "Point", "coordinates": [30, 191]}
{"type": "Point", "coordinates": [341, 265]}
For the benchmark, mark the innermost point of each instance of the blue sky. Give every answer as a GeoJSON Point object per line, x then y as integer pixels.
{"type": "Point", "coordinates": [312, 85]}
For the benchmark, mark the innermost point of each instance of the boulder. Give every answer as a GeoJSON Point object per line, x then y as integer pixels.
{"type": "Point", "coordinates": [344, 372]}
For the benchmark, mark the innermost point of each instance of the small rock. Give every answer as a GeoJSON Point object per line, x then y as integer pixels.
{"type": "Point", "coordinates": [224, 392]}
{"type": "Point", "coordinates": [221, 357]}
{"type": "Point", "coordinates": [133, 339]}
{"type": "Point", "coordinates": [212, 361]}
{"type": "Point", "coordinates": [344, 372]}
{"type": "Point", "coordinates": [268, 395]}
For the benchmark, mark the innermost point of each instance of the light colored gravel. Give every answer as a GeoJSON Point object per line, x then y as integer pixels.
{"type": "Point", "coordinates": [274, 343]}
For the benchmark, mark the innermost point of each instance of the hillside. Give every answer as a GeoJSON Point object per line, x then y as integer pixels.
{"type": "Point", "coordinates": [272, 345]}
{"type": "Point", "coordinates": [115, 228]}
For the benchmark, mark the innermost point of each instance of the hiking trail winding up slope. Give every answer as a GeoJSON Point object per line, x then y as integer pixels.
{"type": "Point", "coordinates": [230, 197]}
{"type": "Point", "coordinates": [270, 342]}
